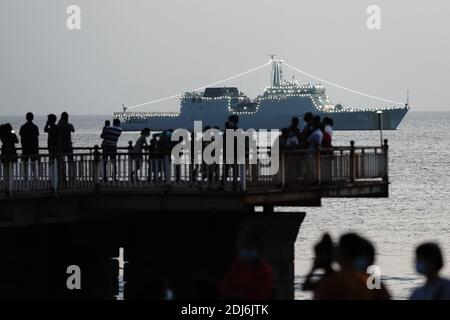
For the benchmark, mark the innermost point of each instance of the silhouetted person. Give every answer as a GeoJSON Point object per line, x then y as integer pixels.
{"type": "Point", "coordinates": [349, 283]}
{"type": "Point", "coordinates": [327, 131]}
{"type": "Point", "coordinates": [110, 139]}
{"type": "Point", "coordinates": [138, 150]}
{"type": "Point", "coordinates": [9, 141]}
{"type": "Point", "coordinates": [429, 262]}
{"type": "Point", "coordinates": [29, 139]}
{"type": "Point", "coordinates": [364, 258]}
{"type": "Point", "coordinates": [52, 131]}
{"type": "Point", "coordinates": [231, 124]}
{"type": "Point", "coordinates": [323, 260]}
{"type": "Point", "coordinates": [292, 140]}
{"type": "Point", "coordinates": [107, 124]}
{"type": "Point", "coordinates": [64, 133]}
{"type": "Point", "coordinates": [209, 171]}
{"type": "Point", "coordinates": [307, 127]}
{"type": "Point", "coordinates": [327, 153]}
{"type": "Point", "coordinates": [294, 129]}
{"type": "Point", "coordinates": [8, 151]}
{"type": "Point", "coordinates": [250, 276]}
{"type": "Point", "coordinates": [314, 140]}
{"type": "Point", "coordinates": [153, 147]}
{"type": "Point", "coordinates": [164, 142]}
{"type": "Point", "coordinates": [283, 138]}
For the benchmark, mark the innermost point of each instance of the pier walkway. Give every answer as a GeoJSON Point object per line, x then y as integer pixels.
{"type": "Point", "coordinates": [303, 178]}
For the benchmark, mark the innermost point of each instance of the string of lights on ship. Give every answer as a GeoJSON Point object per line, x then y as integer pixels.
{"type": "Point", "coordinates": [276, 94]}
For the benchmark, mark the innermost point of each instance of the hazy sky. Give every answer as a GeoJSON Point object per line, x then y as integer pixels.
{"type": "Point", "coordinates": [135, 51]}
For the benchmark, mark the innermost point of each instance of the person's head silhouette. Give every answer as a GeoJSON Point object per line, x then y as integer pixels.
{"type": "Point", "coordinates": [145, 132]}
{"type": "Point", "coordinates": [324, 252]}
{"type": "Point", "coordinates": [429, 260]}
{"type": "Point", "coordinates": [308, 117]}
{"type": "Point", "coordinates": [29, 117]}
{"type": "Point", "coordinates": [64, 117]}
{"type": "Point", "coordinates": [51, 119]}
{"type": "Point", "coordinates": [355, 252]}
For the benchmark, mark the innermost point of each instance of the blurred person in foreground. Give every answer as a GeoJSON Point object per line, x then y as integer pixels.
{"type": "Point", "coordinates": [352, 282]}
{"type": "Point", "coordinates": [429, 262]}
{"type": "Point", "coordinates": [250, 276]}
{"type": "Point", "coordinates": [323, 260]}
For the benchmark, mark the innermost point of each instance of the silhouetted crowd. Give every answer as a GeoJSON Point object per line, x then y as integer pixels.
{"type": "Point", "coordinates": [59, 137]}
{"type": "Point", "coordinates": [346, 270]}
{"type": "Point", "coordinates": [343, 271]}
{"type": "Point", "coordinates": [356, 276]}
{"type": "Point", "coordinates": [316, 133]}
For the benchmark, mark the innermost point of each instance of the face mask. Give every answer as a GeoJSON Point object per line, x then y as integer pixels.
{"type": "Point", "coordinates": [360, 264]}
{"type": "Point", "coordinates": [169, 294]}
{"type": "Point", "coordinates": [248, 254]}
{"type": "Point", "coordinates": [420, 267]}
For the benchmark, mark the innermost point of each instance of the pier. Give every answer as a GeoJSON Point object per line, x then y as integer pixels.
{"type": "Point", "coordinates": [182, 222]}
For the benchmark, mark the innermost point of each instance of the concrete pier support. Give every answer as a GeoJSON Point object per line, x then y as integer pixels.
{"type": "Point", "coordinates": [36, 261]}
{"type": "Point", "coordinates": [190, 251]}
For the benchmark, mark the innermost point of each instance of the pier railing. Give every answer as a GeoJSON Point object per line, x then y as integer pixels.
{"type": "Point", "coordinates": [90, 169]}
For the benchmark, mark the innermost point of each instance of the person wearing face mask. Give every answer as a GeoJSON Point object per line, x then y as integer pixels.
{"type": "Point", "coordinates": [429, 262]}
{"type": "Point", "coordinates": [362, 261]}
{"type": "Point", "coordinates": [350, 282]}
{"type": "Point", "coordinates": [250, 276]}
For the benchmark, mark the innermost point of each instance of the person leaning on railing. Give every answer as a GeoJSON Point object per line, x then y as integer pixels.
{"type": "Point", "coordinates": [52, 139]}
{"type": "Point", "coordinates": [9, 141]}
{"type": "Point", "coordinates": [315, 139]}
{"type": "Point", "coordinates": [29, 138]}
{"type": "Point", "coordinates": [64, 131]}
{"type": "Point", "coordinates": [138, 150]}
{"type": "Point", "coordinates": [64, 149]}
{"type": "Point", "coordinates": [111, 136]}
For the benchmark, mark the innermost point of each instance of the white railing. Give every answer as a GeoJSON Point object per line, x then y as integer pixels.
{"type": "Point", "coordinates": [90, 169]}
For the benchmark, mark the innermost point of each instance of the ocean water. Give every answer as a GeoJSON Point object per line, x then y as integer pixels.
{"type": "Point", "coordinates": [417, 209]}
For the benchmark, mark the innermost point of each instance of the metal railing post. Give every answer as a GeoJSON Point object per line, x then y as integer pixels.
{"type": "Point", "coordinates": [243, 177]}
{"type": "Point", "coordinates": [167, 169]}
{"type": "Point", "coordinates": [352, 161]}
{"type": "Point", "coordinates": [9, 176]}
{"type": "Point", "coordinates": [130, 162]}
{"type": "Point", "coordinates": [97, 168]}
{"type": "Point", "coordinates": [283, 170]}
{"type": "Point", "coordinates": [318, 167]}
{"type": "Point", "coordinates": [386, 161]}
{"type": "Point", "coordinates": [55, 174]}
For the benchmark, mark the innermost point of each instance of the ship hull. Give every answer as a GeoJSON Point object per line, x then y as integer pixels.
{"type": "Point", "coordinates": [343, 120]}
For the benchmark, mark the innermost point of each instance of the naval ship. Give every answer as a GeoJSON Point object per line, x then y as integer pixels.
{"type": "Point", "coordinates": [281, 101]}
